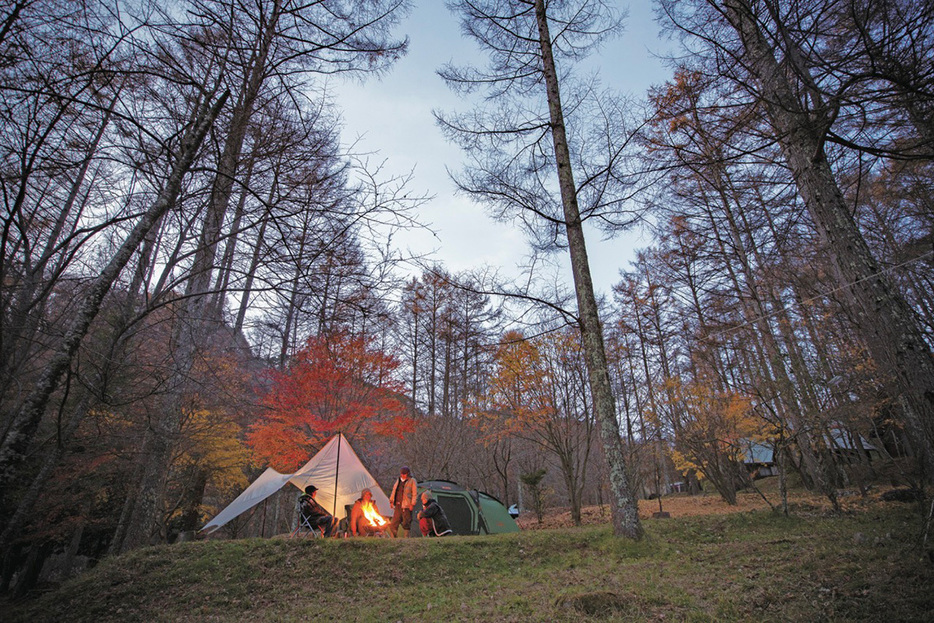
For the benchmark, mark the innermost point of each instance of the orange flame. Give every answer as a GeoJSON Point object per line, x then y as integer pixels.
{"type": "Point", "coordinates": [370, 513]}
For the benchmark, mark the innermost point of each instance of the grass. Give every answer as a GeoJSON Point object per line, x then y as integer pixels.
{"type": "Point", "coordinates": [861, 565]}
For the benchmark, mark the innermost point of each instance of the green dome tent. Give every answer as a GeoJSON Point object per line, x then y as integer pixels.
{"type": "Point", "coordinates": [469, 511]}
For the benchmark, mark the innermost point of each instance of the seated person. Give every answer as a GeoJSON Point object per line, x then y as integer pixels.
{"type": "Point", "coordinates": [359, 524]}
{"type": "Point", "coordinates": [431, 519]}
{"type": "Point", "coordinates": [315, 514]}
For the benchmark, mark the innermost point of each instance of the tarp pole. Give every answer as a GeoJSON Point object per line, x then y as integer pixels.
{"type": "Point", "coordinates": [337, 473]}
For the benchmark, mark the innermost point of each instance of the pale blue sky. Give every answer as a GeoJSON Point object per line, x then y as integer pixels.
{"type": "Point", "coordinates": [393, 118]}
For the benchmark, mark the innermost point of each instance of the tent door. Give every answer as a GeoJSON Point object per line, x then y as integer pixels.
{"type": "Point", "coordinates": [461, 514]}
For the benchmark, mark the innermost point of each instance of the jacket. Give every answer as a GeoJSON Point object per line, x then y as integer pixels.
{"type": "Point", "coordinates": [435, 513]}
{"type": "Point", "coordinates": [408, 493]}
{"type": "Point", "coordinates": [310, 507]}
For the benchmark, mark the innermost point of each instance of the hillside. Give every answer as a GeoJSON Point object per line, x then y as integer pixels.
{"type": "Point", "coordinates": [862, 565]}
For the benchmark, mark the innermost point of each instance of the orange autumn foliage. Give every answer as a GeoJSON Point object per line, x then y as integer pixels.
{"type": "Point", "coordinates": [333, 384]}
{"type": "Point", "coordinates": [519, 387]}
{"type": "Point", "coordinates": [714, 430]}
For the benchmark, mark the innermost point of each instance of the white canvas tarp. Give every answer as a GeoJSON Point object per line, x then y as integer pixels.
{"type": "Point", "coordinates": [335, 470]}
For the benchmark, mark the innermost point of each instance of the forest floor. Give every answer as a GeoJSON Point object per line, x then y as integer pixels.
{"type": "Point", "coordinates": [764, 497]}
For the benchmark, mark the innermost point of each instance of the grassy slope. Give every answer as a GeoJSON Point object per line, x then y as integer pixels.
{"type": "Point", "coordinates": [749, 566]}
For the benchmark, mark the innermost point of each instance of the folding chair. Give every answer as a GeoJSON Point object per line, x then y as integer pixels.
{"type": "Point", "coordinates": [305, 527]}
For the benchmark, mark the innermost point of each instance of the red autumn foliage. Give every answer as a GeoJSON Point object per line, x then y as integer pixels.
{"type": "Point", "coordinates": [333, 384]}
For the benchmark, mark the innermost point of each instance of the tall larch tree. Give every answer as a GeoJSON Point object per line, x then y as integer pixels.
{"type": "Point", "coordinates": [525, 159]}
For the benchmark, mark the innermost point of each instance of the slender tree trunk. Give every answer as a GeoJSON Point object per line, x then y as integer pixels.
{"type": "Point", "coordinates": [30, 574]}
{"type": "Point", "coordinates": [624, 510]}
{"type": "Point", "coordinates": [653, 408]}
{"type": "Point", "coordinates": [254, 261]}
{"type": "Point", "coordinates": [416, 312]}
{"type": "Point", "coordinates": [228, 163]}
{"type": "Point", "coordinates": [123, 522]}
{"type": "Point", "coordinates": [291, 312]}
{"type": "Point", "coordinates": [226, 267]}
{"type": "Point", "coordinates": [40, 481]}
{"type": "Point", "coordinates": [192, 497]}
{"type": "Point", "coordinates": [74, 544]}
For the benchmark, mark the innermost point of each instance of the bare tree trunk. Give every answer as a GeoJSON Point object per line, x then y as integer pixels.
{"type": "Point", "coordinates": [233, 236]}
{"type": "Point", "coordinates": [30, 575]}
{"type": "Point", "coordinates": [116, 543]}
{"type": "Point", "coordinates": [290, 314]}
{"type": "Point", "coordinates": [416, 321]}
{"type": "Point", "coordinates": [653, 407]}
{"type": "Point", "coordinates": [206, 253]}
{"type": "Point", "coordinates": [74, 544]}
{"type": "Point", "coordinates": [255, 259]}
{"type": "Point", "coordinates": [192, 497]}
{"type": "Point", "coordinates": [624, 510]}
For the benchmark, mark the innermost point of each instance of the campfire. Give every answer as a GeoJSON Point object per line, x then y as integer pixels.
{"type": "Point", "coordinates": [372, 515]}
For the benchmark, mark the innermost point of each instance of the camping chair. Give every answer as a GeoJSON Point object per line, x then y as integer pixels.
{"type": "Point", "coordinates": [343, 526]}
{"type": "Point", "coordinates": [306, 528]}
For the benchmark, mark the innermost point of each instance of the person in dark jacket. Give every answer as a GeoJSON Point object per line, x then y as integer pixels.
{"type": "Point", "coordinates": [315, 514]}
{"type": "Point", "coordinates": [431, 519]}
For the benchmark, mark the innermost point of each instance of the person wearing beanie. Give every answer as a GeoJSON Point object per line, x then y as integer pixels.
{"type": "Point", "coordinates": [403, 498]}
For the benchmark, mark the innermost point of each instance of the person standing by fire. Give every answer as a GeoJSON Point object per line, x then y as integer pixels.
{"type": "Point", "coordinates": [403, 499]}
{"type": "Point", "coordinates": [360, 523]}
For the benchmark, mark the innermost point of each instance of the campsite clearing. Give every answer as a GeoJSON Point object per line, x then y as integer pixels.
{"type": "Point", "coordinates": [685, 505]}
{"type": "Point", "coordinates": [861, 565]}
